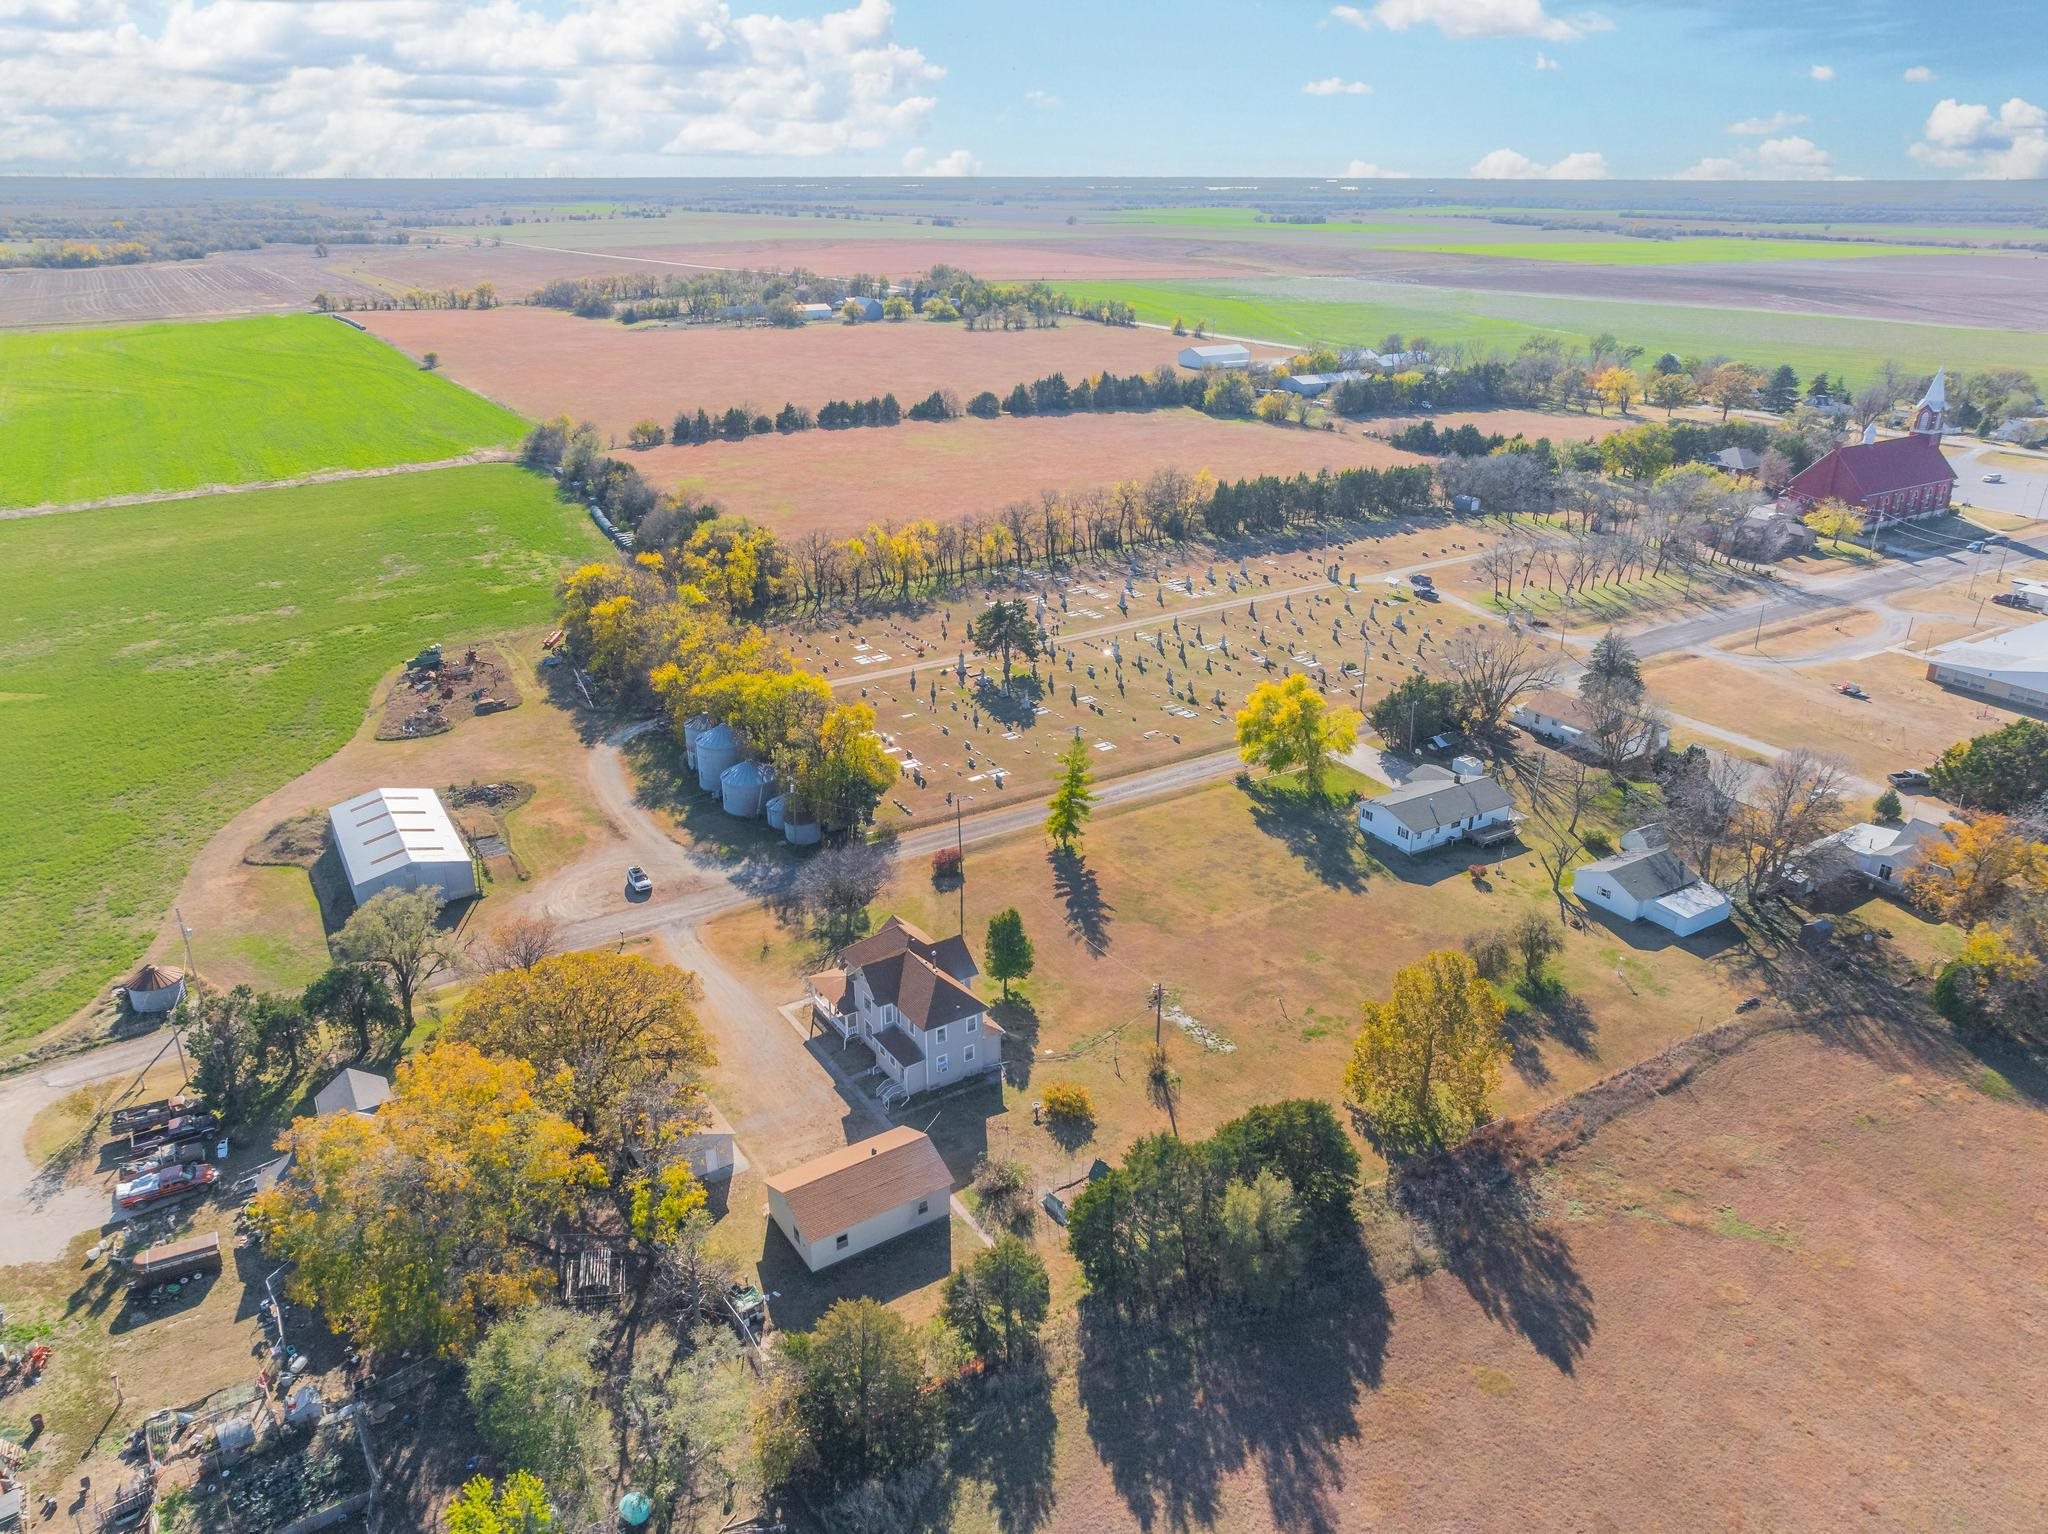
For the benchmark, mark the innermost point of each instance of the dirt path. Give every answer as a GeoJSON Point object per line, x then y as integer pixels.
{"type": "Point", "coordinates": [38, 1219]}
{"type": "Point", "coordinates": [323, 477]}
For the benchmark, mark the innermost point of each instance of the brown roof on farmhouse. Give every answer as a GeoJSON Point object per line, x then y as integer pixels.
{"type": "Point", "coordinates": [844, 1187]}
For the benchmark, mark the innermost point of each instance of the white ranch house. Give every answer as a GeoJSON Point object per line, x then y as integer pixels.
{"type": "Point", "coordinates": [1434, 808]}
{"type": "Point", "coordinates": [1564, 719]}
{"type": "Point", "coordinates": [907, 997]}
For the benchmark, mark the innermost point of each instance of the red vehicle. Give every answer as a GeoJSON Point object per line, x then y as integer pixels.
{"type": "Point", "coordinates": [163, 1156]}
{"type": "Point", "coordinates": [171, 1182]}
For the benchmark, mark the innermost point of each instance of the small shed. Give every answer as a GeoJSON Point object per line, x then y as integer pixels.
{"type": "Point", "coordinates": [352, 1091]}
{"type": "Point", "coordinates": [154, 988]}
{"type": "Point", "coordinates": [849, 1201]}
{"type": "Point", "coordinates": [401, 839]}
{"type": "Point", "coordinates": [710, 1148]}
{"type": "Point", "coordinates": [1228, 354]}
{"type": "Point", "coordinates": [718, 748]}
{"type": "Point", "coordinates": [870, 308]}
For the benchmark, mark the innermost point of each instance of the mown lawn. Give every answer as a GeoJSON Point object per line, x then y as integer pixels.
{"type": "Point", "coordinates": [166, 665]}
{"type": "Point", "coordinates": [89, 414]}
{"type": "Point", "coordinates": [1291, 311]}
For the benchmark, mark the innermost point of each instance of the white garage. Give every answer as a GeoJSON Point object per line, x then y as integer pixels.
{"type": "Point", "coordinates": [401, 839]}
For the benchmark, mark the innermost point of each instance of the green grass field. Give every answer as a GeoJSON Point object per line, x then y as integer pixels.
{"type": "Point", "coordinates": [1694, 250]}
{"type": "Point", "coordinates": [1301, 311]}
{"type": "Point", "coordinates": [167, 665]}
{"type": "Point", "coordinates": [88, 414]}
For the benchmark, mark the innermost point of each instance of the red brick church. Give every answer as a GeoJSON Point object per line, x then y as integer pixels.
{"type": "Point", "coordinates": [1894, 480]}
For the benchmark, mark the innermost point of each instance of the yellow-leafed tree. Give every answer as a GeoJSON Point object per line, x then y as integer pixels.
{"type": "Point", "coordinates": [597, 1026]}
{"type": "Point", "coordinates": [1969, 871]}
{"type": "Point", "coordinates": [1429, 1056]}
{"type": "Point", "coordinates": [408, 1228]}
{"type": "Point", "coordinates": [1289, 724]}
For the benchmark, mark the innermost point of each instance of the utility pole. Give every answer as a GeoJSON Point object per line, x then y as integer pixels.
{"type": "Point", "coordinates": [1158, 1000]}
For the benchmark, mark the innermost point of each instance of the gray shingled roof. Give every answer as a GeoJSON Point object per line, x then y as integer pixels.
{"type": "Point", "coordinates": [1645, 875]}
{"type": "Point", "coordinates": [1423, 804]}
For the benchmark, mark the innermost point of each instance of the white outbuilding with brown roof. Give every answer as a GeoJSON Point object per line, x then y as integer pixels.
{"type": "Point", "coordinates": [851, 1201]}
{"type": "Point", "coordinates": [402, 839]}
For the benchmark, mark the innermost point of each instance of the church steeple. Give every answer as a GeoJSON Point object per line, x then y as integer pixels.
{"type": "Point", "coordinates": [1928, 416]}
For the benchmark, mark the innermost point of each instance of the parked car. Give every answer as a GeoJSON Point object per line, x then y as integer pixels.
{"type": "Point", "coordinates": [637, 882]}
{"type": "Point", "coordinates": [2009, 599]}
{"type": "Point", "coordinates": [1976, 547]}
{"type": "Point", "coordinates": [171, 1182]}
{"type": "Point", "coordinates": [1428, 593]}
{"type": "Point", "coordinates": [1994, 478]}
{"type": "Point", "coordinates": [1445, 742]}
{"type": "Point", "coordinates": [1912, 779]}
{"type": "Point", "coordinates": [1422, 581]}
{"type": "Point", "coordinates": [1852, 690]}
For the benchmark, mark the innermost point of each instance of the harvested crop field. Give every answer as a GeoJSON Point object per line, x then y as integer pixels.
{"type": "Point", "coordinates": [541, 362]}
{"type": "Point", "coordinates": [227, 283]}
{"type": "Point", "coordinates": [1798, 1292]}
{"type": "Point", "coordinates": [843, 480]}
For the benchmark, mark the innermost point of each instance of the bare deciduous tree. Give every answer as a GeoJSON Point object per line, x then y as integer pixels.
{"type": "Point", "coordinates": [1494, 666]}
{"type": "Point", "coordinates": [518, 944]}
{"type": "Point", "coordinates": [1702, 811]}
{"type": "Point", "coordinates": [1795, 800]}
{"type": "Point", "coordinates": [1559, 795]}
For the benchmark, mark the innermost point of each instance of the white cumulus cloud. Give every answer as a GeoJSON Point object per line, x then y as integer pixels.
{"type": "Point", "coordinates": [409, 87]}
{"type": "Point", "coordinates": [2009, 143]}
{"type": "Point", "coordinates": [1821, 72]}
{"type": "Point", "coordinates": [1919, 74]}
{"type": "Point", "coordinates": [1475, 18]}
{"type": "Point", "coordinates": [1365, 170]}
{"type": "Point", "coordinates": [1775, 159]}
{"type": "Point", "coordinates": [1760, 127]}
{"type": "Point", "coordinates": [919, 162]}
{"type": "Point", "coordinates": [1544, 60]}
{"type": "Point", "coordinates": [1513, 165]}
{"type": "Point", "coordinates": [1045, 101]}
{"type": "Point", "coordinates": [1336, 85]}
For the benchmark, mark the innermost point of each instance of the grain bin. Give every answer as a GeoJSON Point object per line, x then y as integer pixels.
{"type": "Point", "coordinates": [798, 829]}
{"type": "Point", "coordinates": [155, 988]}
{"type": "Point", "coordinates": [744, 786]}
{"type": "Point", "coordinates": [693, 731]}
{"type": "Point", "coordinates": [717, 749]}
{"type": "Point", "coordinates": [773, 810]}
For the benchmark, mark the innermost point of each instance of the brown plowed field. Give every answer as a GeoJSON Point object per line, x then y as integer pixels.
{"type": "Point", "coordinates": [228, 283]}
{"type": "Point", "coordinates": [843, 480]}
{"type": "Point", "coordinates": [541, 362]}
{"type": "Point", "coordinates": [1799, 1293]}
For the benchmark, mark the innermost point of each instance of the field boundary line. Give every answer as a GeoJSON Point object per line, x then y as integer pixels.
{"type": "Point", "coordinates": [321, 477]}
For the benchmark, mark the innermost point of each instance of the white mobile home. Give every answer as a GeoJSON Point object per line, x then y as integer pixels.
{"type": "Point", "coordinates": [850, 1201]}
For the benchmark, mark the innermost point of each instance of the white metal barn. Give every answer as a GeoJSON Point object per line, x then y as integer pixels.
{"type": "Point", "coordinates": [1227, 354]}
{"type": "Point", "coordinates": [401, 839]}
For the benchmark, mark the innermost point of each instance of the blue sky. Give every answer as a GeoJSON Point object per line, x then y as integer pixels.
{"type": "Point", "coordinates": [1633, 88]}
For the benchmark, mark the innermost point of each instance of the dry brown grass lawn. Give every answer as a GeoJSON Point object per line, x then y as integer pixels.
{"type": "Point", "coordinates": [1795, 1294]}
{"type": "Point", "coordinates": [1906, 722]}
{"type": "Point", "coordinates": [1269, 927]}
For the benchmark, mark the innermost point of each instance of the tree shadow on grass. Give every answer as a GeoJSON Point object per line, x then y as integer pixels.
{"type": "Point", "coordinates": [1014, 707]}
{"type": "Point", "coordinates": [1006, 1437]}
{"type": "Point", "coordinates": [1486, 1218]}
{"type": "Point", "coordinates": [1018, 1019]}
{"type": "Point", "coordinates": [1316, 829]}
{"type": "Point", "coordinates": [1173, 1414]}
{"type": "Point", "coordinates": [1088, 914]}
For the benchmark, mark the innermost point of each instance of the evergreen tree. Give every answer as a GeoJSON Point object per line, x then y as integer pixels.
{"type": "Point", "coordinates": [1781, 393]}
{"type": "Point", "coordinates": [1018, 401]}
{"type": "Point", "coordinates": [889, 413]}
{"type": "Point", "coordinates": [1007, 954]}
{"type": "Point", "coordinates": [1073, 801]}
{"type": "Point", "coordinates": [1612, 669]}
